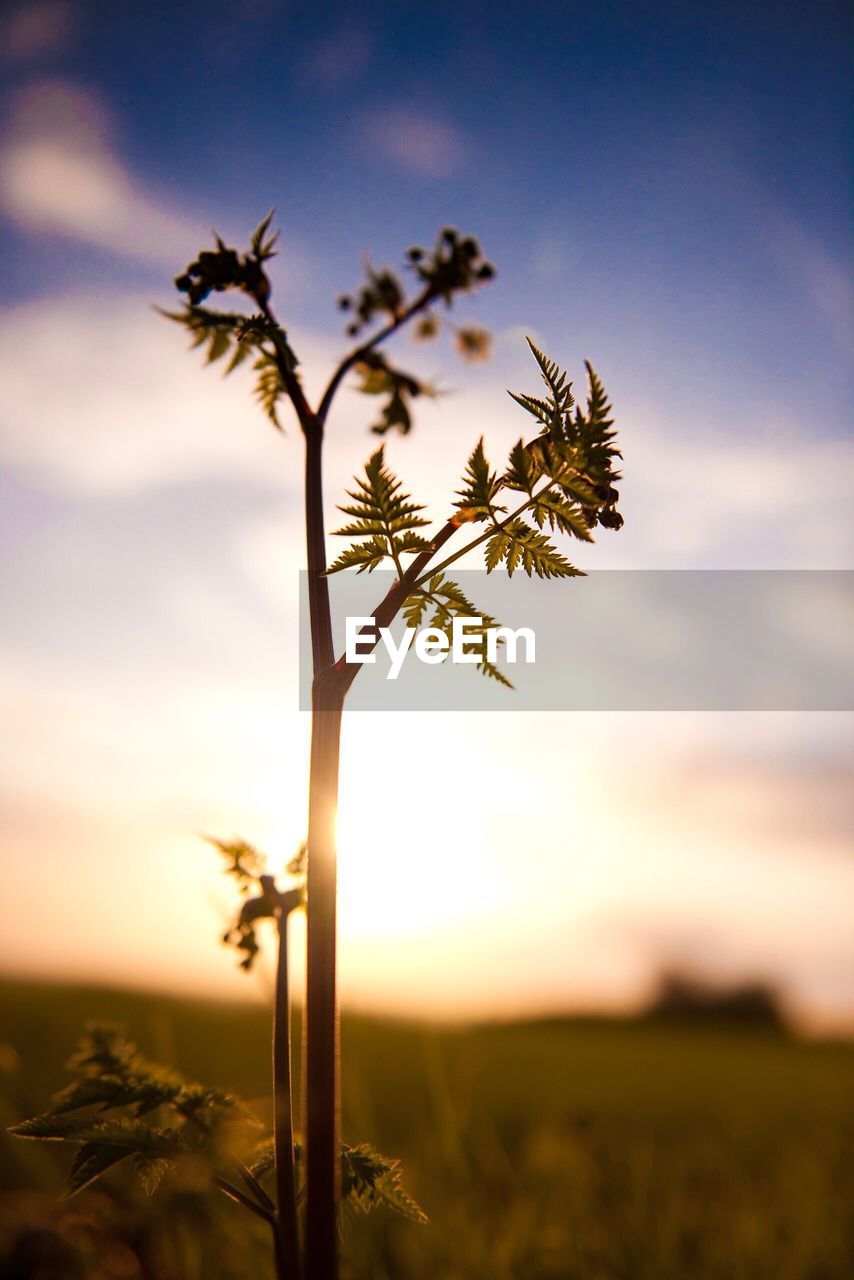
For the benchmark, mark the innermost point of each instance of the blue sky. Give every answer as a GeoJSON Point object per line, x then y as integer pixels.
{"type": "Point", "coordinates": [676, 169]}
{"type": "Point", "coordinates": [665, 189]}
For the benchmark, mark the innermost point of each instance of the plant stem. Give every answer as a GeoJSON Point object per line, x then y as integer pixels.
{"type": "Point", "coordinates": [320, 614]}
{"type": "Point", "coordinates": [321, 1011]}
{"type": "Point", "coordinates": [329, 689]}
{"type": "Point", "coordinates": [287, 1241]}
{"type": "Point", "coordinates": [234, 1194]}
{"type": "Point", "coordinates": [322, 1162]}
{"type": "Point", "coordinates": [321, 1015]}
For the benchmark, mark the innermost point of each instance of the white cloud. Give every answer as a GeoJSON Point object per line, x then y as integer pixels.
{"type": "Point", "coordinates": [422, 144]}
{"type": "Point", "coordinates": [59, 174]}
{"type": "Point", "coordinates": [101, 394]}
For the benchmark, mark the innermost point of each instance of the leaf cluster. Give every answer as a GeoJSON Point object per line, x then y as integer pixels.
{"type": "Point", "coordinates": [108, 1113]}
{"type": "Point", "coordinates": [216, 270]}
{"type": "Point", "coordinates": [113, 1076]}
{"type": "Point", "coordinates": [379, 378]}
{"type": "Point", "coordinates": [437, 603]}
{"type": "Point", "coordinates": [455, 264]}
{"type": "Point", "coordinates": [565, 476]}
{"type": "Point", "coordinates": [384, 521]}
{"type": "Point", "coordinates": [369, 1179]}
{"type": "Point", "coordinates": [263, 899]}
{"type": "Point", "coordinates": [256, 337]}
{"type": "Point", "coordinates": [576, 450]}
{"type": "Point", "coordinates": [242, 338]}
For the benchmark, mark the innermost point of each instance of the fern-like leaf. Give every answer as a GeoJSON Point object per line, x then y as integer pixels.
{"type": "Point", "coordinates": [576, 451]}
{"type": "Point", "coordinates": [269, 388]}
{"type": "Point", "coordinates": [447, 601]}
{"type": "Point", "coordinates": [384, 519]}
{"type": "Point", "coordinates": [239, 336]}
{"type": "Point", "coordinates": [517, 545]}
{"type": "Point", "coordinates": [479, 488]}
{"type": "Point", "coordinates": [369, 1179]}
{"type": "Point", "coordinates": [562, 516]}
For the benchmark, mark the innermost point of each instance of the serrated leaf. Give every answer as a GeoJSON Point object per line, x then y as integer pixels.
{"type": "Point", "coordinates": [269, 388]}
{"type": "Point", "coordinates": [554, 377]}
{"type": "Point", "coordinates": [361, 556]}
{"type": "Point", "coordinates": [369, 1179]}
{"type": "Point", "coordinates": [561, 515]}
{"type": "Point", "coordinates": [89, 1163]}
{"type": "Point", "coordinates": [218, 345]}
{"type": "Point", "coordinates": [523, 469]}
{"type": "Point", "coordinates": [520, 546]}
{"type": "Point", "coordinates": [384, 517]}
{"type": "Point", "coordinates": [480, 486]}
{"type": "Point", "coordinates": [448, 602]}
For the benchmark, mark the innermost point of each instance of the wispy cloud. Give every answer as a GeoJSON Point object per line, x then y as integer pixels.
{"type": "Point", "coordinates": [101, 395]}
{"type": "Point", "coordinates": [341, 57]}
{"type": "Point", "coordinates": [59, 174]}
{"type": "Point", "coordinates": [420, 143]}
{"type": "Point", "coordinates": [33, 30]}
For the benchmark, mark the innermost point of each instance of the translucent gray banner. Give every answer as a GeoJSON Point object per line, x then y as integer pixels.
{"type": "Point", "coordinates": [698, 640]}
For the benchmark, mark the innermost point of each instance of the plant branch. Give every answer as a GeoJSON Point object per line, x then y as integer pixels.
{"type": "Point", "coordinates": [235, 1194]}
{"type": "Point", "coordinates": [320, 612]}
{"type": "Point", "coordinates": [496, 527]}
{"type": "Point", "coordinates": [418, 571]}
{"type": "Point", "coordinates": [254, 1185]}
{"type": "Point", "coordinates": [423, 300]}
{"type": "Point", "coordinates": [290, 381]}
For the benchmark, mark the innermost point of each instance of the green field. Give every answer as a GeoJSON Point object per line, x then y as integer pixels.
{"type": "Point", "coordinates": [547, 1151]}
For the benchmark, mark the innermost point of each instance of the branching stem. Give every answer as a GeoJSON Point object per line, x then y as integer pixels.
{"type": "Point", "coordinates": [234, 1193]}
{"type": "Point", "coordinates": [423, 300]}
{"type": "Point", "coordinates": [496, 527]}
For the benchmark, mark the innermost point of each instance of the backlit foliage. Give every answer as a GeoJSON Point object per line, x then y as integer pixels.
{"type": "Point", "coordinates": [121, 1107]}
{"type": "Point", "coordinates": [558, 483]}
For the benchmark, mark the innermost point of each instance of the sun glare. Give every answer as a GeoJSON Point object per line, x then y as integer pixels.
{"type": "Point", "coordinates": [402, 877]}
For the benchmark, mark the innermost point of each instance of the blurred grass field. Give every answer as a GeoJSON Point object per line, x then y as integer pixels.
{"type": "Point", "coordinates": [561, 1150]}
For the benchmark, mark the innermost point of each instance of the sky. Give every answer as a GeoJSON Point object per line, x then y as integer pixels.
{"type": "Point", "coordinates": [664, 190]}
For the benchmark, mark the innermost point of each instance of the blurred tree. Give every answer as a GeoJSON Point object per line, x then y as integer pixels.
{"type": "Point", "coordinates": [683, 997]}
